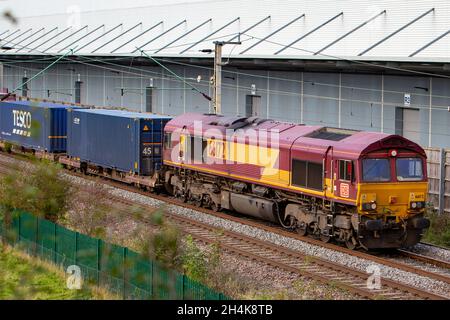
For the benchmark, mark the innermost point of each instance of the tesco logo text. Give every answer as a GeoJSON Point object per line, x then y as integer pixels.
{"type": "Point", "coordinates": [22, 119]}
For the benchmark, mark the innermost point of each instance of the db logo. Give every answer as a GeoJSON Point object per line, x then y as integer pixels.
{"type": "Point", "coordinates": [345, 190]}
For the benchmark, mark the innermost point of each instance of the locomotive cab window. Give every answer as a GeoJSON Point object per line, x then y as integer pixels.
{"type": "Point", "coordinates": [409, 169]}
{"type": "Point", "coordinates": [376, 170]}
{"type": "Point", "coordinates": [346, 170]}
{"type": "Point", "coordinates": [307, 174]}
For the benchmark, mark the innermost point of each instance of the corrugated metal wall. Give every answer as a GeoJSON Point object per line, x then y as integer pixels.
{"type": "Point", "coordinates": [365, 102]}
{"type": "Point", "coordinates": [355, 12]}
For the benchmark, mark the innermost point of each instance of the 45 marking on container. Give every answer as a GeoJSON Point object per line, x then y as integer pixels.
{"type": "Point", "coordinates": [22, 120]}
{"type": "Point", "coordinates": [147, 151]}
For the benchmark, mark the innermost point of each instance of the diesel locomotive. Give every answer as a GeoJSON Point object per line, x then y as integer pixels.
{"type": "Point", "coordinates": [360, 188]}
{"type": "Point", "coordinates": [363, 189]}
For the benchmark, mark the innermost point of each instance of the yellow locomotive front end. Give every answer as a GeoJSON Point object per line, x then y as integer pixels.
{"type": "Point", "coordinates": [391, 200]}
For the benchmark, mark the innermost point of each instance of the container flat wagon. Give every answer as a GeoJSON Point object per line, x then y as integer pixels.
{"type": "Point", "coordinates": [122, 145]}
{"type": "Point", "coordinates": [40, 127]}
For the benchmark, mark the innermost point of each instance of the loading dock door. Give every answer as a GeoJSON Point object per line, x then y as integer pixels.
{"type": "Point", "coordinates": [407, 123]}
{"type": "Point", "coordinates": [252, 106]}
{"type": "Point", "coordinates": [411, 124]}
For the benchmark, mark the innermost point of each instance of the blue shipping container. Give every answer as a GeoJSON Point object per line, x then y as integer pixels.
{"type": "Point", "coordinates": [125, 141]}
{"type": "Point", "coordinates": [34, 125]}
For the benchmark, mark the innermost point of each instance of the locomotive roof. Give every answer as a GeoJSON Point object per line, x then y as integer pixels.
{"type": "Point", "coordinates": [125, 114]}
{"type": "Point", "coordinates": [314, 139]}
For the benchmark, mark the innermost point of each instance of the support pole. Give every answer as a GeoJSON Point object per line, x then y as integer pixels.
{"type": "Point", "coordinates": [217, 77]}
{"type": "Point", "coordinates": [217, 97]}
{"type": "Point", "coordinates": [430, 113]}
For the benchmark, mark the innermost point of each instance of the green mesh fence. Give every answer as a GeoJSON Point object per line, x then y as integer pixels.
{"type": "Point", "coordinates": [46, 239]}
{"type": "Point", "coordinates": [66, 246]}
{"type": "Point", "coordinates": [124, 272]}
{"type": "Point", "coordinates": [139, 276]}
{"type": "Point", "coordinates": [88, 257]}
{"type": "Point", "coordinates": [28, 232]}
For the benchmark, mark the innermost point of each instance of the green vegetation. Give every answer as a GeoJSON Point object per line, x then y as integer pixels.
{"type": "Point", "coordinates": [8, 147]}
{"type": "Point", "coordinates": [88, 210]}
{"type": "Point", "coordinates": [162, 245]}
{"type": "Point", "coordinates": [27, 278]}
{"type": "Point", "coordinates": [38, 188]}
{"type": "Point", "coordinates": [439, 231]}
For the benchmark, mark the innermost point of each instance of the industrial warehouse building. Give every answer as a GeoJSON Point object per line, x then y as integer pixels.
{"type": "Point", "coordinates": [367, 65]}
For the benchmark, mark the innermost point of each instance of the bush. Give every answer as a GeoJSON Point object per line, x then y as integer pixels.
{"type": "Point", "coordinates": [38, 188]}
{"type": "Point", "coordinates": [88, 211]}
{"type": "Point", "coordinates": [8, 147]}
{"type": "Point", "coordinates": [194, 261]}
{"type": "Point", "coordinates": [162, 245]}
{"type": "Point", "coordinates": [439, 231]}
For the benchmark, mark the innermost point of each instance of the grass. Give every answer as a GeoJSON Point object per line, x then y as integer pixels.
{"type": "Point", "coordinates": [25, 278]}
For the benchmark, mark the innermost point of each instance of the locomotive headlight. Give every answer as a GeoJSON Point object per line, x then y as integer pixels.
{"type": "Point", "coordinates": [369, 206]}
{"type": "Point", "coordinates": [417, 205]}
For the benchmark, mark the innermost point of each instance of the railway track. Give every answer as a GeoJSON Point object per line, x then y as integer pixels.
{"type": "Point", "coordinates": [289, 260]}
{"type": "Point", "coordinates": [285, 259]}
{"type": "Point", "coordinates": [425, 259]}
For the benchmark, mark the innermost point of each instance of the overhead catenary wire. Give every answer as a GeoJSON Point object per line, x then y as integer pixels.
{"type": "Point", "coordinates": [262, 90]}
{"type": "Point", "coordinates": [36, 75]}
{"type": "Point", "coordinates": [246, 89]}
{"type": "Point", "coordinates": [177, 76]}
{"type": "Point", "coordinates": [105, 60]}
{"type": "Point", "coordinates": [180, 79]}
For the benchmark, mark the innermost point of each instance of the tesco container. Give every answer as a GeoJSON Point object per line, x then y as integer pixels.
{"type": "Point", "coordinates": [39, 126]}
{"type": "Point", "coordinates": [126, 141]}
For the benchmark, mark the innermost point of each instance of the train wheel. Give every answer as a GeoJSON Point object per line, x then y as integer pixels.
{"type": "Point", "coordinates": [351, 243]}
{"type": "Point", "coordinates": [302, 229]}
{"type": "Point", "coordinates": [198, 202]}
{"type": "Point", "coordinates": [215, 207]}
{"type": "Point", "coordinates": [325, 238]}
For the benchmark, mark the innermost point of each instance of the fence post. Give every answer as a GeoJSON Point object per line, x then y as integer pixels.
{"type": "Point", "coordinates": [98, 261]}
{"type": "Point", "coordinates": [36, 236]}
{"type": "Point", "coordinates": [182, 287]}
{"type": "Point", "coordinates": [442, 181]}
{"type": "Point", "coordinates": [152, 281]}
{"type": "Point", "coordinates": [124, 272]}
{"type": "Point", "coordinates": [55, 254]}
{"type": "Point", "coordinates": [76, 249]}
